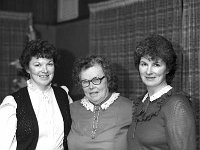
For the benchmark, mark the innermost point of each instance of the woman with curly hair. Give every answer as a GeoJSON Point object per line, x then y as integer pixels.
{"type": "Point", "coordinates": [36, 116]}
{"type": "Point", "coordinates": [100, 120]}
{"type": "Point", "coordinates": [163, 118]}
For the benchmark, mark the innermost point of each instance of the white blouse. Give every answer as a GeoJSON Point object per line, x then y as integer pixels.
{"type": "Point", "coordinates": [50, 121]}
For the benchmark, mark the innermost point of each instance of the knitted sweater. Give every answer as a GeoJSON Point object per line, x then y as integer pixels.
{"type": "Point", "coordinates": [27, 125]}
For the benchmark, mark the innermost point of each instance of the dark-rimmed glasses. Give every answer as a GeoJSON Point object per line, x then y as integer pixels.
{"type": "Point", "coordinates": [95, 81]}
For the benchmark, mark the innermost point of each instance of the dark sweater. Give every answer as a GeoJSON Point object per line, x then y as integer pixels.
{"type": "Point", "coordinates": [167, 124]}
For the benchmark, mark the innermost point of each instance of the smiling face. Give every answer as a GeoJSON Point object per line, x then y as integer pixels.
{"type": "Point", "coordinates": [41, 71]}
{"type": "Point", "coordinates": [153, 73]}
{"type": "Point", "coordinates": [95, 93]}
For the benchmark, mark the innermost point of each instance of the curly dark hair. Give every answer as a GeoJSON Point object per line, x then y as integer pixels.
{"type": "Point", "coordinates": [84, 63]}
{"type": "Point", "coordinates": [39, 49]}
{"type": "Point", "coordinates": [156, 46]}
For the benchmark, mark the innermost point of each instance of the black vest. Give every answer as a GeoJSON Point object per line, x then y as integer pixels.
{"type": "Point", "coordinates": [27, 126]}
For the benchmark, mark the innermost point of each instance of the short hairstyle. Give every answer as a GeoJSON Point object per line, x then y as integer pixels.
{"type": "Point", "coordinates": [39, 49]}
{"type": "Point", "coordinates": [156, 46]}
{"type": "Point", "coordinates": [89, 61]}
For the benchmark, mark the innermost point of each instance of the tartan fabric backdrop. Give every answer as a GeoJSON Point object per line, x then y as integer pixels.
{"type": "Point", "coordinates": [13, 30]}
{"type": "Point", "coordinates": [117, 25]}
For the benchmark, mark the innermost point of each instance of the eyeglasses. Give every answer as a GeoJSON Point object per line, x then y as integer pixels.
{"type": "Point", "coordinates": [95, 81]}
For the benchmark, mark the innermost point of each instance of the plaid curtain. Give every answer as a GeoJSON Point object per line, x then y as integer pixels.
{"type": "Point", "coordinates": [13, 30]}
{"type": "Point", "coordinates": [117, 25]}
{"type": "Point", "coordinates": [191, 55]}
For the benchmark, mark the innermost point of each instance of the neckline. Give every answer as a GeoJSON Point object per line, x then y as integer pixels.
{"type": "Point", "coordinates": [139, 113]}
{"type": "Point", "coordinates": [104, 105]}
{"type": "Point", "coordinates": [157, 94]}
{"type": "Point", "coordinates": [34, 87]}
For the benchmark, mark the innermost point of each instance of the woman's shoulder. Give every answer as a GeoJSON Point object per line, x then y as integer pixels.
{"type": "Point", "coordinates": [173, 97]}
{"type": "Point", "coordinates": [58, 88]}
{"type": "Point", "coordinates": [8, 101]}
{"type": "Point", "coordinates": [177, 100]}
{"type": "Point", "coordinates": [124, 100]}
{"type": "Point", "coordinates": [76, 103]}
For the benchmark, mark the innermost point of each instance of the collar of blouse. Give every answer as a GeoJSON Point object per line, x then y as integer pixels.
{"type": "Point", "coordinates": [91, 107]}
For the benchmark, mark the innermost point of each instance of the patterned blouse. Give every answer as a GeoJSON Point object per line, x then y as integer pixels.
{"type": "Point", "coordinates": [167, 123]}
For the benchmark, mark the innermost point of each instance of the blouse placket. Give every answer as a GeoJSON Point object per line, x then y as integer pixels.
{"type": "Point", "coordinates": [95, 121]}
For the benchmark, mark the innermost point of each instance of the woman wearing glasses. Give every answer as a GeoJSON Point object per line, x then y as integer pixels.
{"type": "Point", "coordinates": [100, 120]}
